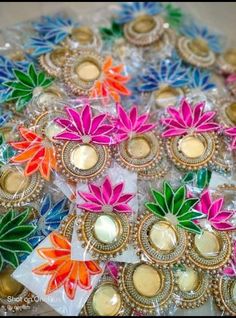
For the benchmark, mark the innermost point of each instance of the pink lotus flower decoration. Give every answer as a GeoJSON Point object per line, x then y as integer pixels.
{"type": "Point", "coordinates": [232, 133]}
{"type": "Point", "coordinates": [186, 120]}
{"type": "Point", "coordinates": [130, 124]}
{"type": "Point", "coordinates": [231, 269]}
{"type": "Point", "coordinates": [216, 217]}
{"type": "Point", "coordinates": [106, 198]}
{"type": "Point", "coordinates": [231, 78]}
{"type": "Point", "coordinates": [82, 127]}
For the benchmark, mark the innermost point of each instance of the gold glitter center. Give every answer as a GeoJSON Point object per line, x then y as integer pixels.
{"type": "Point", "coordinates": [207, 244]}
{"type": "Point", "coordinates": [8, 285]}
{"type": "Point", "coordinates": [138, 147]}
{"type": "Point", "coordinates": [83, 35]}
{"type": "Point", "coordinates": [191, 146]}
{"type": "Point", "coordinates": [59, 55]}
{"type": "Point", "coordinates": [106, 301]}
{"type": "Point", "coordinates": [147, 280]}
{"type": "Point", "coordinates": [230, 56]}
{"type": "Point", "coordinates": [163, 236]}
{"type": "Point", "coordinates": [188, 280]}
{"type": "Point", "coordinates": [13, 181]}
{"type": "Point", "coordinates": [84, 157]}
{"type": "Point", "coordinates": [144, 24]}
{"type": "Point", "coordinates": [231, 112]}
{"type": "Point", "coordinates": [199, 47]}
{"type": "Point", "coordinates": [88, 71]}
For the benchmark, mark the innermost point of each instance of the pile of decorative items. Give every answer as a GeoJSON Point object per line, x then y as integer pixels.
{"type": "Point", "coordinates": [117, 191]}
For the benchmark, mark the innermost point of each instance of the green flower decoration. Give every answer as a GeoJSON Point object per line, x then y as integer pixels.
{"type": "Point", "coordinates": [6, 151]}
{"type": "Point", "coordinates": [14, 231]}
{"type": "Point", "coordinates": [174, 206]}
{"type": "Point", "coordinates": [200, 178]}
{"type": "Point", "coordinates": [174, 16]}
{"type": "Point", "coordinates": [113, 33]}
{"type": "Point", "coordinates": [26, 85]}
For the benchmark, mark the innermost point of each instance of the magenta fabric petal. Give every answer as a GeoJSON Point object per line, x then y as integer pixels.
{"type": "Point", "coordinates": [223, 226]}
{"type": "Point", "coordinates": [122, 208]}
{"type": "Point", "coordinates": [91, 207]}
{"type": "Point", "coordinates": [66, 123]}
{"type": "Point", "coordinates": [96, 191]}
{"type": "Point", "coordinates": [89, 197]}
{"type": "Point", "coordinates": [207, 127]}
{"type": "Point", "coordinates": [104, 129]}
{"type": "Point", "coordinates": [172, 122]}
{"type": "Point", "coordinates": [229, 271]}
{"type": "Point", "coordinates": [107, 190]}
{"type": "Point", "coordinates": [123, 117]}
{"type": "Point", "coordinates": [231, 78]}
{"type": "Point", "coordinates": [197, 112]}
{"type": "Point", "coordinates": [86, 115]}
{"type": "Point", "coordinates": [174, 132]}
{"type": "Point", "coordinates": [96, 122]}
{"type": "Point", "coordinates": [140, 121]}
{"type": "Point", "coordinates": [175, 113]}
{"type": "Point", "coordinates": [186, 112]}
{"type": "Point", "coordinates": [215, 208]}
{"type": "Point", "coordinates": [205, 201]}
{"type": "Point", "coordinates": [230, 131]}
{"type": "Point", "coordinates": [75, 117]}
{"type": "Point", "coordinates": [133, 115]}
{"type": "Point", "coordinates": [117, 190]}
{"type": "Point", "coordinates": [233, 145]}
{"type": "Point", "coordinates": [67, 136]}
{"type": "Point", "coordinates": [145, 128]}
{"type": "Point", "coordinates": [223, 216]}
{"type": "Point", "coordinates": [121, 137]}
{"type": "Point", "coordinates": [102, 140]}
{"type": "Point", "coordinates": [206, 117]}
{"type": "Point", "coordinates": [125, 198]}
{"type": "Point", "coordinates": [113, 269]}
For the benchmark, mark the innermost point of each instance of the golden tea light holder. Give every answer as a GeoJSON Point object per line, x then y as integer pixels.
{"type": "Point", "coordinates": [104, 235]}
{"type": "Point", "coordinates": [144, 30]}
{"type": "Point", "coordinates": [160, 241]}
{"type": "Point", "coordinates": [224, 290]}
{"type": "Point", "coordinates": [106, 300]}
{"type": "Point", "coordinates": [82, 161]}
{"type": "Point", "coordinates": [192, 152]}
{"type": "Point", "coordinates": [195, 52]}
{"type": "Point", "coordinates": [143, 286]}
{"type": "Point", "coordinates": [226, 62]}
{"type": "Point", "coordinates": [193, 288]}
{"type": "Point", "coordinates": [16, 189]}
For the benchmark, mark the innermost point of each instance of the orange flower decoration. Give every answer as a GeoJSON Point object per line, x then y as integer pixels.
{"type": "Point", "coordinates": [38, 153]}
{"type": "Point", "coordinates": [65, 272]}
{"type": "Point", "coordinates": [111, 82]}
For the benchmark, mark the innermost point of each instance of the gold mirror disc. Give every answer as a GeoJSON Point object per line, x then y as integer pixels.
{"type": "Point", "coordinates": [163, 236]}
{"type": "Point", "coordinates": [199, 47]}
{"type": "Point", "coordinates": [138, 148]}
{"type": "Point", "coordinates": [188, 280]}
{"type": "Point", "coordinates": [230, 56]}
{"type": "Point", "coordinates": [231, 112]}
{"type": "Point", "coordinates": [106, 229]}
{"type": "Point", "coordinates": [144, 24]}
{"type": "Point", "coordinates": [106, 301]}
{"type": "Point", "coordinates": [8, 285]}
{"type": "Point", "coordinates": [13, 181]}
{"type": "Point", "coordinates": [84, 157]}
{"type": "Point", "coordinates": [83, 35]}
{"type": "Point", "coordinates": [59, 55]}
{"type": "Point", "coordinates": [166, 96]}
{"type": "Point", "coordinates": [88, 71]}
{"type": "Point", "coordinates": [146, 280]}
{"type": "Point", "coordinates": [207, 244]}
{"type": "Point", "coordinates": [191, 146]}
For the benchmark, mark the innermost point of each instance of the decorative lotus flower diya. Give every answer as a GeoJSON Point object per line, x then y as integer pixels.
{"type": "Point", "coordinates": [106, 300]}
{"type": "Point", "coordinates": [86, 153]}
{"type": "Point", "coordinates": [167, 83]}
{"type": "Point", "coordinates": [213, 247]}
{"type": "Point", "coordinates": [226, 62]}
{"type": "Point", "coordinates": [161, 234]}
{"type": "Point", "coordinates": [198, 45]}
{"type": "Point", "coordinates": [143, 285]}
{"type": "Point", "coordinates": [104, 226]}
{"type": "Point", "coordinates": [88, 73]}
{"type": "Point", "coordinates": [142, 22]}
{"type": "Point", "coordinates": [192, 142]}
{"type": "Point", "coordinates": [138, 146]}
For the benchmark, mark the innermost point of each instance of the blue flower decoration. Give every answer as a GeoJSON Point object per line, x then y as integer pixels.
{"type": "Point", "coordinates": [200, 79]}
{"type": "Point", "coordinates": [131, 10]}
{"type": "Point", "coordinates": [55, 28]}
{"type": "Point", "coordinates": [196, 31]}
{"type": "Point", "coordinates": [6, 74]}
{"type": "Point", "coordinates": [4, 118]}
{"type": "Point", "coordinates": [169, 73]}
{"type": "Point", "coordinates": [49, 219]}
{"type": "Point", "coordinates": [40, 46]}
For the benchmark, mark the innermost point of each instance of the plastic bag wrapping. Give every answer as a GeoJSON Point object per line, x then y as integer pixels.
{"type": "Point", "coordinates": [116, 175]}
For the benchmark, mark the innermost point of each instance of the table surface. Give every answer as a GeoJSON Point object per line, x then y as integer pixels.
{"type": "Point", "coordinates": [219, 16]}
